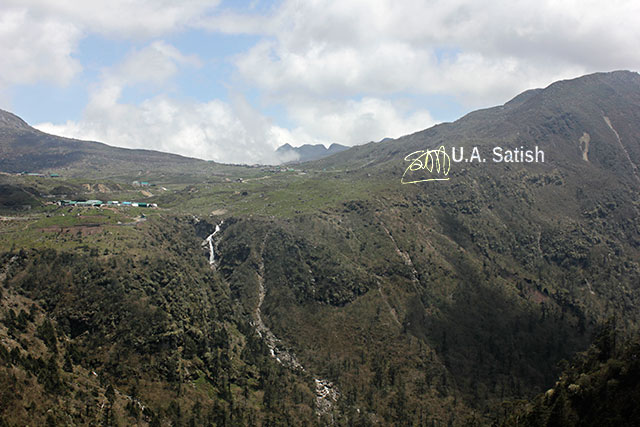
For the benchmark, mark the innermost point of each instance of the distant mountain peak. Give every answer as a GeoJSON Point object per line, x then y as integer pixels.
{"type": "Point", "coordinates": [307, 152]}
{"type": "Point", "coordinates": [284, 147]}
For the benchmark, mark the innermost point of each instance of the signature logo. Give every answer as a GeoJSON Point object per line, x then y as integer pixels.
{"type": "Point", "coordinates": [424, 164]}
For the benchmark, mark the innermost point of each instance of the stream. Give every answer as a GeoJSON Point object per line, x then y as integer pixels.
{"type": "Point", "coordinates": [326, 393]}
{"type": "Point", "coordinates": [209, 240]}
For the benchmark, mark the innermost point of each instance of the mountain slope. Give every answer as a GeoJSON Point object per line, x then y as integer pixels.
{"type": "Point", "coordinates": [493, 276]}
{"type": "Point", "coordinates": [603, 105]}
{"type": "Point", "coordinates": [23, 148]}
{"type": "Point", "coordinates": [433, 303]}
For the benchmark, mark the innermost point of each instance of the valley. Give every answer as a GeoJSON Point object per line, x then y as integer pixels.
{"type": "Point", "coordinates": [335, 293]}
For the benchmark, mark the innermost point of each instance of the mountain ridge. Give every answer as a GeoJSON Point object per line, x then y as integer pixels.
{"type": "Point", "coordinates": [430, 303]}
{"type": "Point", "coordinates": [24, 148]}
{"type": "Point", "coordinates": [546, 117]}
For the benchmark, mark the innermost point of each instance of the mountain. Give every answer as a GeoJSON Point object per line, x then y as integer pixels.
{"type": "Point", "coordinates": [342, 295]}
{"type": "Point", "coordinates": [23, 148]}
{"type": "Point", "coordinates": [602, 105]}
{"type": "Point", "coordinates": [308, 152]}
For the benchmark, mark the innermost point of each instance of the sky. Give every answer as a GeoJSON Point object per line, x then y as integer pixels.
{"type": "Point", "coordinates": [231, 81]}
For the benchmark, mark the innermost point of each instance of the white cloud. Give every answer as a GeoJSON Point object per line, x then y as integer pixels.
{"type": "Point", "coordinates": [39, 37]}
{"type": "Point", "coordinates": [232, 132]}
{"type": "Point", "coordinates": [154, 64]}
{"type": "Point", "coordinates": [492, 52]}
{"type": "Point", "coordinates": [122, 18]}
{"type": "Point", "coordinates": [33, 50]}
{"type": "Point", "coordinates": [353, 122]}
{"type": "Point", "coordinates": [214, 130]}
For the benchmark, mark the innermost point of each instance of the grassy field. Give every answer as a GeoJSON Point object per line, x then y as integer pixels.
{"type": "Point", "coordinates": [420, 303]}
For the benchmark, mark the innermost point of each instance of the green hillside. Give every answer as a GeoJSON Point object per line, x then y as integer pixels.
{"type": "Point", "coordinates": [337, 294]}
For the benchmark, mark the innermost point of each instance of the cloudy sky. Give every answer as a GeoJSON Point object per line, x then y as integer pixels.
{"type": "Point", "coordinates": [231, 81]}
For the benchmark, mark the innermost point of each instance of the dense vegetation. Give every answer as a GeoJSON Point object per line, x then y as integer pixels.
{"type": "Point", "coordinates": [113, 339]}
{"type": "Point", "coordinates": [599, 388]}
{"type": "Point", "coordinates": [447, 303]}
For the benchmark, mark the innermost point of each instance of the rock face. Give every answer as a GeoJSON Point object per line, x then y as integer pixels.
{"type": "Point", "coordinates": [326, 396]}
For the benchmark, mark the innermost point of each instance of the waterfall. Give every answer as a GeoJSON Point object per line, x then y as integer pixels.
{"type": "Point", "coordinates": [209, 241]}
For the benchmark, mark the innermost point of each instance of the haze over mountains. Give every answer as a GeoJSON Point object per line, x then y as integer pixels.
{"type": "Point", "coordinates": [308, 152]}
{"type": "Point", "coordinates": [442, 302]}
{"type": "Point", "coordinates": [25, 148]}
